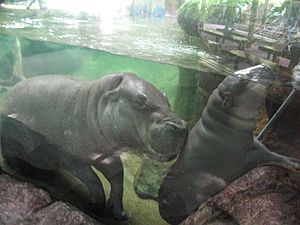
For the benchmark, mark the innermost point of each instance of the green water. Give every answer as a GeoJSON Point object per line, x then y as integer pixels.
{"type": "Point", "coordinates": [156, 40]}
{"type": "Point", "coordinates": [163, 59]}
{"type": "Point", "coordinates": [40, 58]}
{"type": "Point", "coordinates": [90, 45]}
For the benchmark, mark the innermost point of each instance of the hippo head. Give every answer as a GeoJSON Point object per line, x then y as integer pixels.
{"type": "Point", "coordinates": [138, 116]}
{"type": "Point", "coordinates": [243, 93]}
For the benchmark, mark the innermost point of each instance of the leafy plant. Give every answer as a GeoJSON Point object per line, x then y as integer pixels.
{"type": "Point", "coordinates": [225, 11]}
{"type": "Point", "coordinates": [277, 12]}
{"type": "Point", "coordinates": [288, 13]}
{"type": "Point", "coordinates": [189, 17]}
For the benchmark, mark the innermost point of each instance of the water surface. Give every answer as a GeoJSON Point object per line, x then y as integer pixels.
{"type": "Point", "coordinates": [159, 40]}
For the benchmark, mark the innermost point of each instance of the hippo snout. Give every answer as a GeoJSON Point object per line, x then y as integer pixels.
{"type": "Point", "coordinates": [167, 138]}
{"type": "Point", "coordinates": [259, 73]}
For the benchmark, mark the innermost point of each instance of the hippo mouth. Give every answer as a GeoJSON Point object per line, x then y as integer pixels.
{"type": "Point", "coordinates": [161, 158]}
{"type": "Point", "coordinates": [152, 154]}
{"type": "Point", "coordinates": [164, 158]}
{"type": "Point", "coordinates": [257, 74]}
{"type": "Point", "coordinates": [166, 138]}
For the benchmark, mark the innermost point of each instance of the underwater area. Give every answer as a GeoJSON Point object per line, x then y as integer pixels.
{"type": "Point", "coordinates": [106, 47]}
{"type": "Point", "coordinates": [186, 57]}
{"type": "Point", "coordinates": [94, 47]}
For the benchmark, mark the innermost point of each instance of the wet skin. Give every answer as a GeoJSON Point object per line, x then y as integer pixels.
{"type": "Point", "coordinates": [220, 147]}
{"type": "Point", "coordinates": [53, 122]}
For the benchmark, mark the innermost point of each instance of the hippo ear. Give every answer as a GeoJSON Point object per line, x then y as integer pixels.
{"type": "Point", "coordinates": [227, 101]}
{"type": "Point", "coordinates": [113, 94]}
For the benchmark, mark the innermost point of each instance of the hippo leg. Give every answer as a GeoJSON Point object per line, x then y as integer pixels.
{"type": "Point", "coordinates": [112, 169]}
{"type": "Point", "coordinates": [25, 149]}
{"type": "Point", "coordinates": [260, 154]}
{"type": "Point", "coordinates": [180, 195]}
{"type": "Point", "coordinates": [21, 165]}
{"type": "Point", "coordinates": [92, 182]}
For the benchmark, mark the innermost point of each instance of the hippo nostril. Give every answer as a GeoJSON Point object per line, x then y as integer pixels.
{"type": "Point", "coordinates": [172, 124]}
{"type": "Point", "coordinates": [178, 126]}
{"type": "Point", "coordinates": [184, 124]}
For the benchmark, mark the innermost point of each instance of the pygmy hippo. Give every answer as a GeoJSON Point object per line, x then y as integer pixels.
{"type": "Point", "coordinates": [55, 121]}
{"type": "Point", "coordinates": [220, 147]}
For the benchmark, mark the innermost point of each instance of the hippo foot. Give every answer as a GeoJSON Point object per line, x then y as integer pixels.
{"type": "Point", "coordinates": [96, 208]}
{"type": "Point", "coordinates": [116, 210]}
{"type": "Point", "coordinates": [294, 164]}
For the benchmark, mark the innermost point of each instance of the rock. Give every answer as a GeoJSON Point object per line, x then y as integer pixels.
{"type": "Point", "coordinates": [18, 199]}
{"type": "Point", "coordinates": [148, 179]}
{"type": "Point", "coordinates": [265, 195]}
{"type": "Point", "coordinates": [59, 213]}
{"type": "Point", "coordinates": [23, 204]}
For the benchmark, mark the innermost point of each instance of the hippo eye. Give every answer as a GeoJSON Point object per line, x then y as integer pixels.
{"type": "Point", "coordinates": [141, 101]}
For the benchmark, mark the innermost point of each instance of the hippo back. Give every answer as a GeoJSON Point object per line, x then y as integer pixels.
{"type": "Point", "coordinates": [85, 118]}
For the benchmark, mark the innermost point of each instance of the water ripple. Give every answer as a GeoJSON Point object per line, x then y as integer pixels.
{"type": "Point", "coordinates": [161, 41]}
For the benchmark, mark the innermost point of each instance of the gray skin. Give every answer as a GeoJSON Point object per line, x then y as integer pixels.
{"type": "Point", "coordinates": [221, 146]}
{"type": "Point", "coordinates": [60, 121]}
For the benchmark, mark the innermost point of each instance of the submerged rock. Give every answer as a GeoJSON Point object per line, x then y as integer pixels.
{"type": "Point", "coordinates": [148, 179]}
{"type": "Point", "coordinates": [60, 213]}
{"type": "Point", "coordinates": [18, 199]}
{"type": "Point", "coordinates": [265, 195]}
{"type": "Point", "coordinates": [22, 203]}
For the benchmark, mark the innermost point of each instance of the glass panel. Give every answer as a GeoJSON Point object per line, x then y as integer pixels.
{"type": "Point", "coordinates": [216, 88]}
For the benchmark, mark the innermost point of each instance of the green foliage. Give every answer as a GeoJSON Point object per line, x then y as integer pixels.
{"type": "Point", "coordinates": [238, 3]}
{"type": "Point", "coordinates": [277, 12]}
{"type": "Point", "coordinates": [216, 11]}
{"type": "Point", "coordinates": [189, 17]}
{"type": "Point", "coordinates": [288, 11]}
{"type": "Point", "coordinates": [226, 11]}
{"type": "Point", "coordinates": [232, 10]}
{"type": "Point", "coordinates": [192, 8]}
